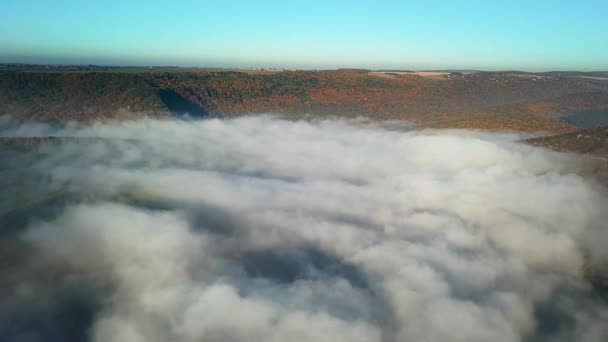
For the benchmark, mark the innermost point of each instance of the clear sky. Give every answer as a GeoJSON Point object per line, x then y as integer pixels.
{"type": "Point", "coordinates": [428, 34]}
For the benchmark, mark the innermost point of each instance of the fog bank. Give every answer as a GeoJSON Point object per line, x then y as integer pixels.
{"type": "Point", "coordinates": [263, 229]}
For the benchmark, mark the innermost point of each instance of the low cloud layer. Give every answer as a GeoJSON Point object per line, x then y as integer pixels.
{"type": "Point", "coordinates": [263, 229]}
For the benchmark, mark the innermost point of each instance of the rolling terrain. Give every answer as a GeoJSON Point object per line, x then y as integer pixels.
{"type": "Point", "coordinates": [484, 100]}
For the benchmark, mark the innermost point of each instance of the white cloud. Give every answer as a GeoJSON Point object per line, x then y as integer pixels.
{"type": "Point", "coordinates": [265, 229]}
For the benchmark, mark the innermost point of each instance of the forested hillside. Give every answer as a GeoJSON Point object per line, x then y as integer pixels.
{"type": "Point", "coordinates": [477, 100]}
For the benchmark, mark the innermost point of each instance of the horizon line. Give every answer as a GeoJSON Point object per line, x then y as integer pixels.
{"type": "Point", "coordinates": [270, 68]}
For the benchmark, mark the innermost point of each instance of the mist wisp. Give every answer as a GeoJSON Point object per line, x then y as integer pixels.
{"type": "Point", "coordinates": [263, 229]}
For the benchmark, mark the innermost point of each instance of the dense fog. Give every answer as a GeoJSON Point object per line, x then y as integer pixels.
{"type": "Point", "coordinates": [266, 229]}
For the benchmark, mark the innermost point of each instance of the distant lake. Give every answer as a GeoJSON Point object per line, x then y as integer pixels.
{"type": "Point", "coordinates": [587, 119]}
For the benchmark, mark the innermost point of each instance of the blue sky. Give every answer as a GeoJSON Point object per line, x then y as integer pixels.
{"type": "Point", "coordinates": [429, 34]}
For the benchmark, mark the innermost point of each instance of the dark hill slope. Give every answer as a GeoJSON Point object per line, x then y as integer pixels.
{"type": "Point", "coordinates": [76, 96]}
{"type": "Point", "coordinates": [592, 141]}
